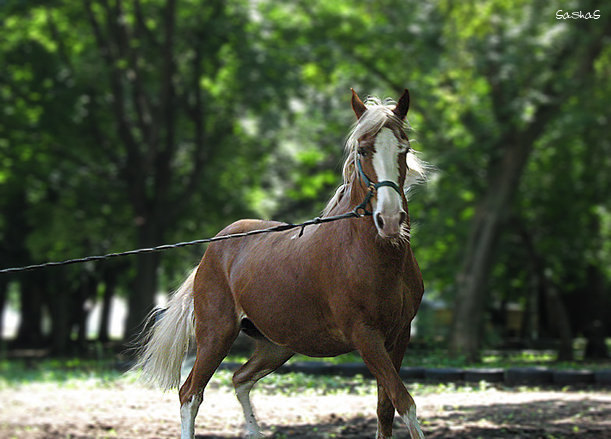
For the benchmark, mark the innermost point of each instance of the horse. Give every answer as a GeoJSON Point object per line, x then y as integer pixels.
{"type": "Point", "coordinates": [327, 290]}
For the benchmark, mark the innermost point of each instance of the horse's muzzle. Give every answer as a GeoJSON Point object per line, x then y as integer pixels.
{"type": "Point", "coordinates": [389, 225]}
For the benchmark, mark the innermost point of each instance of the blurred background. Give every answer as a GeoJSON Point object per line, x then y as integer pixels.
{"type": "Point", "coordinates": [128, 124]}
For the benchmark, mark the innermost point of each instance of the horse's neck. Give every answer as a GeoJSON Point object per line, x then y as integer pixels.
{"type": "Point", "coordinates": [348, 200]}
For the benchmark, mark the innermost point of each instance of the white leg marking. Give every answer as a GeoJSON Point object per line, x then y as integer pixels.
{"type": "Point", "coordinates": [412, 423]}
{"type": "Point", "coordinates": [243, 394]}
{"type": "Point", "coordinates": [188, 412]}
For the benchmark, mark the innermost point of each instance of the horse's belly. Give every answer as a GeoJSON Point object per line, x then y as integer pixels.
{"type": "Point", "coordinates": [319, 347]}
{"type": "Point", "coordinates": [297, 323]}
{"type": "Point", "coordinates": [314, 345]}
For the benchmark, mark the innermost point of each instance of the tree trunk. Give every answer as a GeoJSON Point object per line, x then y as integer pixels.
{"type": "Point", "coordinates": [142, 298]}
{"type": "Point", "coordinates": [110, 283]}
{"type": "Point", "coordinates": [3, 291]}
{"type": "Point", "coordinates": [515, 148]}
{"type": "Point", "coordinates": [598, 302]}
{"type": "Point", "coordinates": [31, 287]}
{"type": "Point", "coordinates": [558, 318]}
{"type": "Point", "coordinates": [82, 305]}
{"type": "Point", "coordinates": [532, 325]}
{"type": "Point", "coordinates": [61, 315]}
{"type": "Point", "coordinates": [472, 281]}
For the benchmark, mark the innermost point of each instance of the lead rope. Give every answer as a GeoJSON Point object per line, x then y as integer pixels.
{"type": "Point", "coordinates": [358, 212]}
{"type": "Point", "coordinates": [279, 228]}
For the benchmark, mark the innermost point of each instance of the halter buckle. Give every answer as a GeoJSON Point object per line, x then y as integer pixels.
{"type": "Point", "coordinates": [373, 189]}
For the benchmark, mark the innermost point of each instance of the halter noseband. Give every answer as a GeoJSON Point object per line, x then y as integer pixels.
{"type": "Point", "coordinates": [372, 189]}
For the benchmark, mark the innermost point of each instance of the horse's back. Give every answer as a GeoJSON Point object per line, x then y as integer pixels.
{"type": "Point", "coordinates": [247, 225]}
{"type": "Point", "coordinates": [227, 250]}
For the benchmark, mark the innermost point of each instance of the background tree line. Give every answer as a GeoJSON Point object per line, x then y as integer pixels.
{"type": "Point", "coordinates": [129, 124]}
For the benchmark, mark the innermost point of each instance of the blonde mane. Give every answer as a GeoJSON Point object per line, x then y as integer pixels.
{"type": "Point", "coordinates": [377, 114]}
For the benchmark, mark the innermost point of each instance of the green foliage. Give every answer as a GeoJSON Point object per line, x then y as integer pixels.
{"type": "Point", "coordinates": [64, 373]}
{"type": "Point", "coordinates": [259, 114]}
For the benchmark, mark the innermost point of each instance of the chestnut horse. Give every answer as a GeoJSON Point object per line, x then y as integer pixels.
{"type": "Point", "coordinates": [335, 288]}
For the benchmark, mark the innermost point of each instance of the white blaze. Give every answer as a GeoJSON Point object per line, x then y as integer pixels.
{"type": "Point", "coordinates": [386, 165]}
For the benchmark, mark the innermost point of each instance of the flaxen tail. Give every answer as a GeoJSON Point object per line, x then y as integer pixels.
{"type": "Point", "coordinates": [164, 346]}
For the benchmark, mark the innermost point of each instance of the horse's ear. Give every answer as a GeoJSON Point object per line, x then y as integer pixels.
{"type": "Point", "coordinates": [357, 105]}
{"type": "Point", "coordinates": [402, 106]}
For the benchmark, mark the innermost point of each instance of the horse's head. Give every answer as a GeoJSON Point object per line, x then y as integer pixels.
{"type": "Point", "coordinates": [381, 146]}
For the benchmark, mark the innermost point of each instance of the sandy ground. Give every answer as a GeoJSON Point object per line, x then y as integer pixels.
{"type": "Point", "coordinates": [122, 410]}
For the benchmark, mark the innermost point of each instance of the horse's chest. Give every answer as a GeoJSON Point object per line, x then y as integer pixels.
{"type": "Point", "coordinates": [385, 307]}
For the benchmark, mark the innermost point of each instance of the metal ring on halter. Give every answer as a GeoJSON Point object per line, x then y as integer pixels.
{"type": "Point", "coordinates": [359, 208]}
{"type": "Point", "coordinates": [363, 205]}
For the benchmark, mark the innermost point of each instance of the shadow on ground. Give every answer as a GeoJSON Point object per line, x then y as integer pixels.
{"type": "Point", "coordinates": [541, 419]}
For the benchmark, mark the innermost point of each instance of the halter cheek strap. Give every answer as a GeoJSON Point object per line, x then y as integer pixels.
{"type": "Point", "coordinates": [373, 187]}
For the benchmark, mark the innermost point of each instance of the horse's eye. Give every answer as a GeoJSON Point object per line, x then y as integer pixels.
{"type": "Point", "coordinates": [363, 152]}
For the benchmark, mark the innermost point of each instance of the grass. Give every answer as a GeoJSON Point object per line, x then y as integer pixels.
{"type": "Point", "coordinates": [300, 384]}
{"type": "Point", "coordinates": [65, 373]}
{"type": "Point", "coordinates": [90, 373]}
{"type": "Point", "coordinates": [77, 374]}
{"type": "Point", "coordinates": [490, 359]}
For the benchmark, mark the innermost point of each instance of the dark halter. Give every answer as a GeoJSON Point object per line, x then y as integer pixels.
{"type": "Point", "coordinates": [373, 188]}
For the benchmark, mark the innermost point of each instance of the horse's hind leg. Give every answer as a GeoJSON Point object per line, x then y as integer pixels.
{"type": "Point", "coordinates": [266, 358]}
{"type": "Point", "coordinates": [216, 328]}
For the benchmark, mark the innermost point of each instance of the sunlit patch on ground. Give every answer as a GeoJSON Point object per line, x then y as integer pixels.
{"type": "Point", "coordinates": [120, 408]}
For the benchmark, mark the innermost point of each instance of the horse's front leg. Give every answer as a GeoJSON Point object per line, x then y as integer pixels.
{"type": "Point", "coordinates": [386, 410]}
{"type": "Point", "coordinates": [371, 347]}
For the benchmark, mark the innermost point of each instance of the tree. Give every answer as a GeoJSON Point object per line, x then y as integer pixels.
{"type": "Point", "coordinates": [131, 124]}
{"type": "Point", "coordinates": [565, 75]}
{"type": "Point", "coordinates": [140, 108]}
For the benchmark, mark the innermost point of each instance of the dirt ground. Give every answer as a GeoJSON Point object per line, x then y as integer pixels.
{"type": "Point", "coordinates": [128, 411]}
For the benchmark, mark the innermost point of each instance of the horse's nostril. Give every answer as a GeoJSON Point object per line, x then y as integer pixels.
{"type": "Point", "coordinates": [379, 220]}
